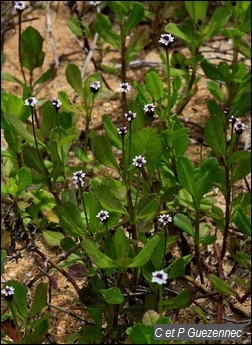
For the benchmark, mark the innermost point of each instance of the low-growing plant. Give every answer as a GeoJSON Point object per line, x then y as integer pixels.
{"type": "Point", "coordinates": [136, 193]}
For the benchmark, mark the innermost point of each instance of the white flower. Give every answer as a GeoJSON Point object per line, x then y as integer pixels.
{"type": "Point", "coordinates": [139, 161]}
{"type": "Point", "coordinates": [94, 3]}
{"type": "Point", "coordinates": [19, 6]}
{"type": "Point", "coordinates": [8, 291]}
{"type": "Point", "coordinates": [103, 215]}
{"type": "Point", "coordinates": [165, 219]}
{"type": "Point", "coordinates": [130, 115]}
{"type": "Point", "coordinates": [149, 109]}
{"type": "Point", "coordinates": [95, 86]}
{"type": "Point", "coordinates": [239, 127]}
{"type": "Point", "coordinates": [31, 101]}
{"type": "Point", "coordinates": [125, 87]}
{"type": "Point", "coordinates": [122, 130]}
{"type": "Point", "coordinates": [78, 178]}
{"type": "Point", "coordinates": [56, 103]}
{"type": "Point", "coordinates": [159, 277]}
{"type": "Point", "coordinates": [166, 40]}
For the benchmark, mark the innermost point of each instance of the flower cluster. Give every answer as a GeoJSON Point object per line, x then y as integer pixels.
{"type": "Point", "coordinates": [139, 161]}
{"type": "Point", "coordinates": [95, 86]}
{"type": "Point", "coordinates": [31, 101]}
{"type": "Point", "coordinates": [8, 292]}
{"type": "Point", "coordinates": [159, 277]}
{"type": "Point", "coordinates": [56, 103]}
{"type": "Point", "coordinates": [78, 178]}
{"type": "Point", "coordinates": [94, 3]}
{"type": "Point", "coordinates": [166, 40]}
{"type": "Point", "coordinates": [125, 87]}
{"type": "Point", "coordinates": [103, 215]}
{"type": "Point", "coordinates": [19, 6]}
{"type": "Point", "coordinates": [149, 109]}
{"type": "Point", "coordinates": [165, 219]}
{"type": "Point", "coordinates": [130, 115]}
{"type": "Point", "coordinates": [122, 130]}
{"type": "Point", "coordinates": [239, 127]}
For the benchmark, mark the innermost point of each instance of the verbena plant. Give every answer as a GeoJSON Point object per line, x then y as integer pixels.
{"type": "Point", "coordinates": [117, 228]}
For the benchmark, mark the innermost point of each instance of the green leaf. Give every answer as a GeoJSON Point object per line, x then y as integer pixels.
{"type": "Point", "coordinates": [176, 85]}
{"type": "Point", "coordinates": [39, 300]}
{"type": "Point", "coordinates": [32, 55]}
{"type": "Point", "coordinates": [73, 76]}
{"type": "Point", "coordinates": [186, 174]}
{"type": "Point", "coordinates": [243, 222]}
{"type": "Point", "coordinates": [102, 25]}
{"type": "Point", "coordinates": [3, 256]}
{"type": "Point", "coordinates": [32, 160]}
{"type": "Point", "coordinates": [154, 85]}
{"type": "Point", "coordinates": [107, 199]}
{"type": "Point", "coordinates": [217, 21]}
{"type": "Point", "coordinates": [145, 254]}
{"type": "Point", "coordinates": [181, 301]}
{"type": "Point", "coordinates": [23, 179]}
{"type": "Point", "coordinates": [46, 76]}
{"type": "Point", "coordinates": [176, 31]}
{"type": "Point", "coordinates": [70, 220]}
{"type": "Point", "coordinates": [112, 295]}
{"type": "Point", "coordinates": [111, 132]}
{"type": "Point", "coordinates": [216, 91]}
{"type": "Point", "coordinates": [74, 25]}
{"type": "Point", "coordinates": [146, 142]}
{"type": "Point", "coordinates": [99, 259]}
{"type": "Point", "coordinates": [53, 238]}
{"type": "Point", "coordinates": [136, 15]}
{"type": "Point", "coordinates": [93, 206]}
{"type": "Point", "coordinates": [48, 119]}
{"type": "Point", "coordinates": [8, 77]}
{"type": "Point", "coordinates": [68, 195]}
{"type": "Point", "coordinates": [149, 210]}
{"type": "Point", "coordinates": [222, 286]}
{"type": "Point", "coordinates": [19, 301]}
{"type": "Point", "coordinates": [197, 10]}
{"type": "Point", "coordinates": [121, 244]}
{"type": "Point", "coordinates": [241, 165]}
{"type": "Point", "coordinates": [183, 223]}
{"type": "Point", "coordinates": [214, 135]}
{"type": "Point", "coordinates": [103, 152]}
{"type": "Point", "coordinates": [142, 334]}
{"type": "Point", "coordinates": [177, 267]}
{"type": "Point", "coordinates": [208, 174]}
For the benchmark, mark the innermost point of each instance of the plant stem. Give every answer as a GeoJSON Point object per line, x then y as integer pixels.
{"type": "Point", "coordinates": [84, 206]}
{"type": "Point", "coordinates": [138, 186]}
{"type": "Point", "coordinates": [168, 87]}
{"type": "Point", "coordinates": [227, 210]}
{"type": "Point", "coordinates": [165, 242]}
{"type": "Point", "coordinates": [88, 119]}
{"type": "Point", "coordinates": [19, 45]}
{"type": "Point", "coordinates": [196, 244]}
{"type": "Point", "coordinates": [160, 297]}
{"type": "Point", "coordinates": [61, 147]}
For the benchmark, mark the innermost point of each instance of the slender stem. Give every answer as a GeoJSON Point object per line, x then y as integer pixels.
{"type": "Point", "coordinates": [196, 244]}
{"type": "Point", "coordinates": [84, 206]}
{"type": "Point", "coordinates": [200, 153]}
{"type": "Point", "coordinates": [227, 210]}
{"type": "Point", "coordinates": [168, 86]}
{"type": "Point", "coordinates": [61, 147]}
{"type": "Point", "coordinates": [124, 162]}
{"type": "Point", "coordinates": [130, 136]}
{"type": "Point", "coordinates": [88, 119]}
{"type": "Point", "coordinates": [36, 144]}
{"type": "Point", "coordinates": [138, 186]}
{"type": "Point", "coordinates": [160, 298]}
{"type": "Point", "coordinates": [165, 242]}
{"type": "Point", "coordinates": [19, 45]}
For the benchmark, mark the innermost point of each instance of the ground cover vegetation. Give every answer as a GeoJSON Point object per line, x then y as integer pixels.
{"type": "Point", "coordinates": [140, 232]}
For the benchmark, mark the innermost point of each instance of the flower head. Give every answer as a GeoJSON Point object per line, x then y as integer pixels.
{"type": "Point", "coordinates": [8, 292]}
{"type": "Point", "coordinates": [56, 103]}
{"type": "Point", "coordinates": [232, 120]}
{"type": "Point", "coordinates": [165, 219]}
{"type": "Point", "coordinates": [78, 178]}
{"type": "Point", "coordinates": [239, 127]}
{"type": "Point", "coordinates": [159, 277]}
{"type": "Point", "coordinates": [125, 87]}
{"type": "Point", "coordinates": [95, 86]}
{"type": "Point", "coordinates": [149, 109]}
{"type": "Point", "coordinates": [31, 101]}
{"type": "Point", "coordinates": [130, 115]}
{"type": "Point", "coordinates": [19, 6]}
{"type": "Point", "coordinates": [139, 161]}
{"type": "Point", "coordinates": [103, 215]}
{"type": "Point", "coordinates": [166, 40]}
{"type": "Point", "coordinates": [122, 130]}
{"type": "Point", "coordinates": [94, 3]}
